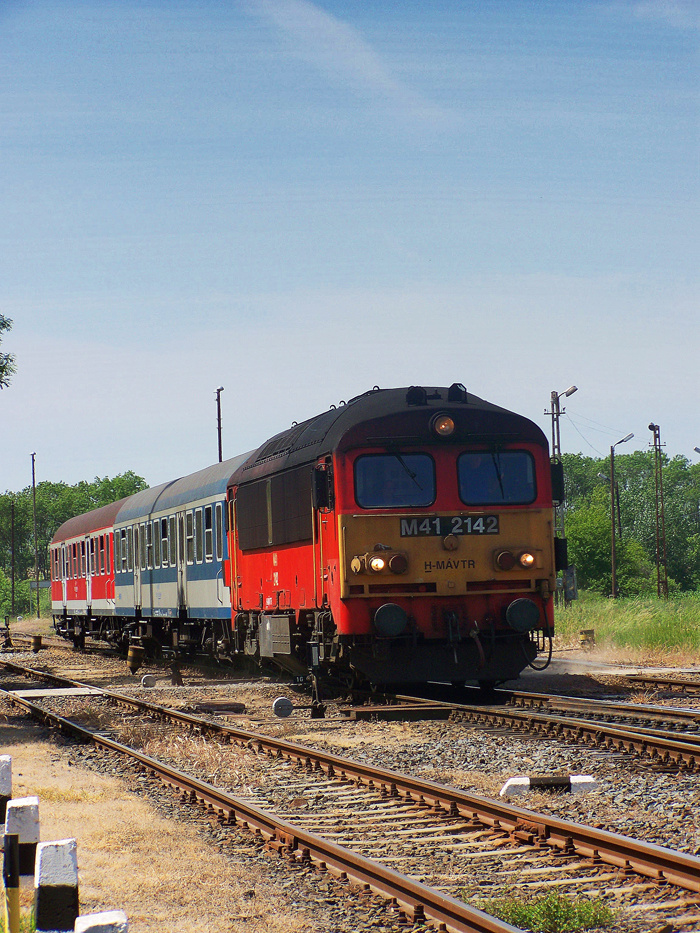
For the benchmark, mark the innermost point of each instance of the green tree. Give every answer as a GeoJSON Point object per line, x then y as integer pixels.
{"type": "Point", "coordinates": [587, 521]}
{"type": "Point", "coordinates": [55, 504]}
{"type": "Point", "coordinates": [8, 366]}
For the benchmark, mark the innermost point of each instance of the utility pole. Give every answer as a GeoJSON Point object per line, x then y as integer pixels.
{"type": "Point", "coordinates": [613, 560]}
{"type": "Point", "coordinates": [36, 545]}
{"type": "Point", "coordinates": [218, 418]}
{"type": "Point", "coordinates": [661, 570]}
{"type": "Point", "coordinates": [12, 544]}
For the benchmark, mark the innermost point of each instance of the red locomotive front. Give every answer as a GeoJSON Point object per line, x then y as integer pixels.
{"type": "Point", "coordinates": [404, 537]}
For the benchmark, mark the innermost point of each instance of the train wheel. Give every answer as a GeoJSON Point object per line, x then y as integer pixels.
{"type": "Point", "coordinates": [486, 690]}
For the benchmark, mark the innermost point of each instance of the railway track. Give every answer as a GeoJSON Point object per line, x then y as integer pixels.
{"type": "Point", "coordinates": [435, 834]}
{"type": "Point", "coordinates": [677, 746]}
{"type": "Point", "coordinates": [672, 683]}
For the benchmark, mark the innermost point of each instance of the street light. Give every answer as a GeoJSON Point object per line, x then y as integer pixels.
{"type": "Point", "coordinates": [555, 413]}
{"type": "Point", "coordinates": [612, 512]}
{"type": "Point", "coordinates": [697, 450]}
{"type": "Point", "coordinates": [218, 418]}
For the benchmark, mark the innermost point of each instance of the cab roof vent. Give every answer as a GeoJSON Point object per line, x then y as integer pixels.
{"type": "Point", "coordinates": [457, 393]}
{"type": "Point", "coordinates": [416, 395]}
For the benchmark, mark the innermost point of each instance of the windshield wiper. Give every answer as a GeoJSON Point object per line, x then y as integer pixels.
{"type": "Point", "coordinates": [496, 457]}
{"type": "Point", "coordinates": [406, 468]}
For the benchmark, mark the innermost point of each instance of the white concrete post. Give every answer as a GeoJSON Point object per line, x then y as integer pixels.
{"type": "Point", "coordinates": [56, 885]}
{"type": "Point", "coordinates": [109, 921]}
{"type": "Point", "coordinates": [22, 819]}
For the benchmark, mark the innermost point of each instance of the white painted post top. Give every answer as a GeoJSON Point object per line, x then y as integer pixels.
{"type": "Point", "coordinates": [22, 818]}
{"type": "Point", "coordinates": [5, 776]}
{"type": "Point", "coordinates": [583, 784]}
{"type": "Point", "coordinates": [108, 921]}
{"type": "Point", "coordinates": [515, 785]}
{"type": "Point", "coordinates": [57, 863]}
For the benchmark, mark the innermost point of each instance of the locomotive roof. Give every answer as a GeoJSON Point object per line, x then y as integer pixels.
{"type": "Point", "coordinates": [89, 522]}
{"type": "Point", "coordinates": [392, 417]}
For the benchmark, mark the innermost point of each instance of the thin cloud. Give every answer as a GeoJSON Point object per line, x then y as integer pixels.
{"type": "Point", "coordinates": [682, 14]}
{"type": "Point", "coordinates": [338, 50]}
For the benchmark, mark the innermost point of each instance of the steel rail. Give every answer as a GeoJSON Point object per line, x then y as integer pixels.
{"type": "Point", "coordinates": [416, 900]}
{"type": "Point", "coordinates": [656, 744]}
{"type": "Point", "coordinates": [693, 685]}
{"type": "Point", "coordinates": [657, 862]}
{"type": "Point", "coordinates": [613, 707]}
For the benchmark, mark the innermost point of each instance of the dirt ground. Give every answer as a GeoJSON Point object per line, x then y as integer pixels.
{"type": "Point", "coordinates": [164, 873]}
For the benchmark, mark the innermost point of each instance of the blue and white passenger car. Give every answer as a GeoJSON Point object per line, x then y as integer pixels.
{"type": "Point", "coordinates": [170, 552]}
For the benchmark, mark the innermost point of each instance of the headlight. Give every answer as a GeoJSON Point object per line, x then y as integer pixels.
{"type": "Point", "coordinates": [443, 425]}
{"type": "Point", "coordinates": [376, 564]}
{"type": "Point", "coordinates": [527, 560]}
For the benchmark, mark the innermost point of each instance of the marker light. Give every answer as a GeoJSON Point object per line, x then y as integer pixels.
{"type": "Point", "coordinates": [443, 425]}
{"type": "Point", "coordinates": [376, 564]}
{"type": "Point", "coordinates": [505, 560]}
{"type": "Point", "coordinates": [398, 563]}
{"type": "Point", "coordinates": [527, 560]}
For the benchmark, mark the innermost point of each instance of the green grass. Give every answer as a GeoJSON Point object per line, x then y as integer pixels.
{"type": "Point", "coordinates": [552, 913]}
{"type": "Point", "coordinates": [644, 625]}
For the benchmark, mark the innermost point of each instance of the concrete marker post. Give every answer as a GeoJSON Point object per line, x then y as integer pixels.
{"type": "Point", "coordinates": [569, 783]}
{"type": "Point", "coordinates": [22, 818]}
{"type": "Point", "coordinates": [5, 784]}
{"type": "Point", "coordinates": [10, 877]}
{"type": "Point", "coordinates": [56, 903]}
{"type": "Point", "coordinates": [108, 921]}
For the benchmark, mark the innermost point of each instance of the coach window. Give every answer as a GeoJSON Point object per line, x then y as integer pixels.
{"type": "Point", "coordinates": [208, 534]}
{"type": "Point", "coordinates": [163, 530]}
{"type": "Point", "coordinates": [172, 541]}
{"type": "Point", "coordinates": [142, 544]}
{"type": "Point", "coordinates": [130, 548]}
{"type": "Point", "coordinates": [389, 481]}
{"type": "Point", "coordinates": [189, 535]}
{"type": "Point", "coordinates": [219, 531]}
{"type": "Point", "coordinates": [198, 536]}
{"type": "Point", "coordinates": [83, 559]}
{"type": "Point", "coordinates": [149, 544]}
{"type": "Point", "coordinates": [496, 477]}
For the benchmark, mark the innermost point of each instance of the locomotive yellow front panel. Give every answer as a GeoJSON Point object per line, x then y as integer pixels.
{"type": "Point", "coordinates": [446, 554]}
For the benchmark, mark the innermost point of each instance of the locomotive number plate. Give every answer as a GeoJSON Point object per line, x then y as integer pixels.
{"type": "Point", "coordinates": [443, 525]}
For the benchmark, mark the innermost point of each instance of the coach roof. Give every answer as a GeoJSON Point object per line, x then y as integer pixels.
{"type": "Point", "coordinates": [89, 523]}
{"type": "Point", "coordinates": [179, 493]}
{"type": "Point", "coordinates": [388, 416]}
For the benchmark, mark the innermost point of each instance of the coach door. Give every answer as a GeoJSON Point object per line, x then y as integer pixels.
{"type": "Point", "coordinates": [181, 561]}
{"type": "Point", "coordinates": [137, 565]}
{"type": "Point", "coordinates": [89, 568]}
{"type": "Point", "coordinates": [64, 575]}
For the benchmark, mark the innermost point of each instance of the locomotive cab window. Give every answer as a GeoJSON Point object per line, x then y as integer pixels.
{"type": "Point", "coordinates": [496, 477]}
{"type": "Point", "coordinates": [389, 481]}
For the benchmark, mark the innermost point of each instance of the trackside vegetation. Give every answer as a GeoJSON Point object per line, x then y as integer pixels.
{"type": "Point", "coordinates": [551, 913]}
{"type": "Point", "coordinates": [644, 627]}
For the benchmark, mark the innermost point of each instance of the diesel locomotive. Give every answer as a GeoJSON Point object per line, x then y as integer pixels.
{"type": "Point", "coordinates": [404, 536]}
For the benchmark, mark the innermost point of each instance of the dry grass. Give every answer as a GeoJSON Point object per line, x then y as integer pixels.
{"type": "Point", "coordinates": [162, 872]}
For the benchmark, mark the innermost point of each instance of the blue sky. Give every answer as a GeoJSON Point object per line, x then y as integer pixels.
{"type": "Point", "coordinates": [298, 201]}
